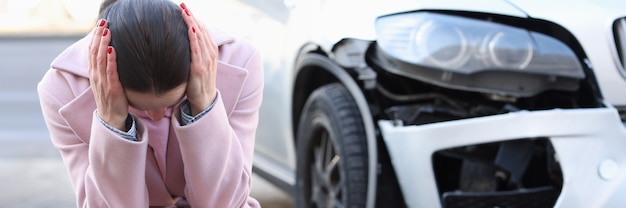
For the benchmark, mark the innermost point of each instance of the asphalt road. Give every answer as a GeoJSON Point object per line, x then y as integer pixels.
{"type": "Point", "coordinates": [32, 172]}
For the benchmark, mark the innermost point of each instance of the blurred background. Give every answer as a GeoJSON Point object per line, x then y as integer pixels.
{"type": "Point", "coordinates": [32, 33]}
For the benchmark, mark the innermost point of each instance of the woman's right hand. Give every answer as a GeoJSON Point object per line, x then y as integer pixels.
{"type": "Point", "coordinates": [105, 83]}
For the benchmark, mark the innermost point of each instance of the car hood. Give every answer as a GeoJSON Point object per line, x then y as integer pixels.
{"type": "Point", "coordinates": [336, 23]}
{"type": "Point", "coordinates": [354, 18]}
{"type": "Point", "coordinates": [563, 11]}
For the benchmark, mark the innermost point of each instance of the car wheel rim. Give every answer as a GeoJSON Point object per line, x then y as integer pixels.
{"type": "Point", "coordinates": [326, 180]}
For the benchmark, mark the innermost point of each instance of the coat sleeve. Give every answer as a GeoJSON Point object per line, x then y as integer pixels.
{"type": "Point", "coordinates": [217, 149]}
{"type": "Point", "coordinates": [105, 169]}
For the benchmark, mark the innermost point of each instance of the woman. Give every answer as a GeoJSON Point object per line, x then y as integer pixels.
{"type": "Point", "coordinates": [154, 109]}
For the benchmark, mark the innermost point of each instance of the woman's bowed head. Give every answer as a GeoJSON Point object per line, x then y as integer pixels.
{"type": "Point", "coordinates": [150, 60]}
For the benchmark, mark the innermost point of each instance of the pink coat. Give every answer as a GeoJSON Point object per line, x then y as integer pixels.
{"type": "Point", "coordinates": [209, 161]}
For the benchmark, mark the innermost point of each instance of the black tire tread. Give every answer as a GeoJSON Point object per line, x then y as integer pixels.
{"type": "Point", "coordinates": [335, 99]}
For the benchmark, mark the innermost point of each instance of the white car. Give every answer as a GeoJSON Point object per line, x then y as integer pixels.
{"type": "Point", "coordinates": [439, 103]}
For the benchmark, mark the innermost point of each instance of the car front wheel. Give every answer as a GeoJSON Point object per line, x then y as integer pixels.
{"type": "Point", "coordinates": [332, 151]}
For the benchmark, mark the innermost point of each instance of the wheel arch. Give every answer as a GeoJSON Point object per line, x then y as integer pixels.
{"type": "Point", "coordinates": [314, 69]}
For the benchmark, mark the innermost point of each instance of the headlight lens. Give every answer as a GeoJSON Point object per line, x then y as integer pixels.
{"type": "Point", "coordinates": [467, 46]}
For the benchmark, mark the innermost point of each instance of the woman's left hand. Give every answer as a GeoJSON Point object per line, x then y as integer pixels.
{"type": "Point", "coordinates": [201, 86]}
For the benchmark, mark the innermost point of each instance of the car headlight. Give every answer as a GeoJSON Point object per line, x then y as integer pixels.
{"type": "Point", "coordinates": [620, 40]}
{"type": "Point", "coordinates": [466, 46]}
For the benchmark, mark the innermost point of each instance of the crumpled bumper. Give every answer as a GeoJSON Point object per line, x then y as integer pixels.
{"type": "Point", "coordinates": [590, 145]}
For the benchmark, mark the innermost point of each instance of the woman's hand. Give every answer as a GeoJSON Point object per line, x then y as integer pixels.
{"type": "Point", "coordinates": [201, 87]}
{"type": "Point", "coordinates": [105, 83]}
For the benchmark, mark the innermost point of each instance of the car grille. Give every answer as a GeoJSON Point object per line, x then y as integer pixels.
{"type": "Point", "coordinates": [619, 31]}
{"type": "Point", "coordinates": [535, 197]}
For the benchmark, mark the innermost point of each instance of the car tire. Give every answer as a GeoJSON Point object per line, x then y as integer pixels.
{"type": "Point", "coordinates": [332, 165]}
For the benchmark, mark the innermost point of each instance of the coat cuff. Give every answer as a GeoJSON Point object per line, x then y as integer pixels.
{"type": "Point", "coordinates": [185, 111]}
{"type": "Point", "coordinates": [132, 130]}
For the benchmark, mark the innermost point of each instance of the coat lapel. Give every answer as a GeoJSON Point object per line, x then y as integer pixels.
{"type": "Point", "coordinates": [79, 113]}
{"type": "Point", "coordinates": [230, 81]}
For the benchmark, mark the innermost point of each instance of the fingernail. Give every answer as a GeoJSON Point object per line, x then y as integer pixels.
{"type": "Point", "coordinates": [105, 32]}
{"type": "Point", "coordinates": [182, 5]}
{"type": "Point", "coordinates": [193, 29]}
{"type": "Point", "coordinates": [110, 50]}
{"type": "Point", "coordinates": [101, 23]}
{"type": "Point", "coordinates": [187, 12]}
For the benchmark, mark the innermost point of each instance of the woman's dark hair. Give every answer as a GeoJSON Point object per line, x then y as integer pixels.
{"type": "Point", "coordinates": [151, 42]}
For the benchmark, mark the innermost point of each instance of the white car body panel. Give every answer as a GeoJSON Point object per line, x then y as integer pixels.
{"type": "Point", "coordinates": [583, 139]}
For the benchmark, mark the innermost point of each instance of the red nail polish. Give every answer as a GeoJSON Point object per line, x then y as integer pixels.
{"type": "Point", "coordinates": [110, 50]}
{"type": "Point", "coordinates": [102, 21]}
{"type": "Point", "coordinates": [105, 32]}
{"type": "Point", "coordinates": [182, 5]}
{"type": "Point", "coordinates": [187, 12]}
{"type": "Point", "coordinates": [193, 29]}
